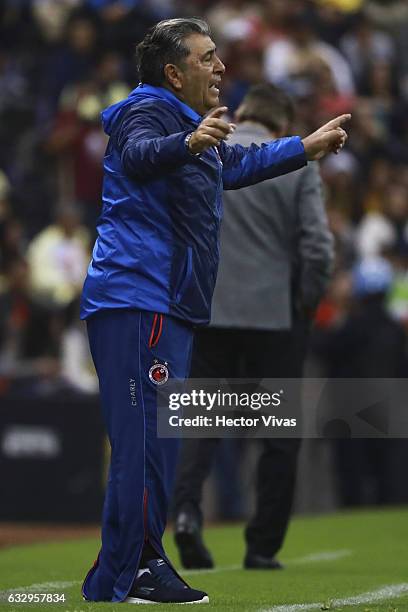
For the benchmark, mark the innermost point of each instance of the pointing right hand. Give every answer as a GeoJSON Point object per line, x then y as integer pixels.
{"type": "Point", "coordinates": [330, 138]}
{"type": "Point", "coordinates": [211, 131]}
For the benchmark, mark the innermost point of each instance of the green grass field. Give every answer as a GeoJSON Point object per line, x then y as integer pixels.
{"type": "Point", "coordinates": [355, 561]}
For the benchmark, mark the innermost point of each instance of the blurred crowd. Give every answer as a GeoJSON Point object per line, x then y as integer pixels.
{"type": "Point", "coordinates": [62, 62]}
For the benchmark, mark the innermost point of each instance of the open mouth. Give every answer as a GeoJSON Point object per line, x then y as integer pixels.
{"type": "Point", "coordinates": [214, 88]}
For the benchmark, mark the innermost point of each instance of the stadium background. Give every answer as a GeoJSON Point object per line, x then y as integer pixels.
{"type": "Point", "coordinates": [61, 63]}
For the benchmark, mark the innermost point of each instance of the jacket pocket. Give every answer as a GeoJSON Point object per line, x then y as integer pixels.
{"type": "Point", "coordinates": [184, 277]}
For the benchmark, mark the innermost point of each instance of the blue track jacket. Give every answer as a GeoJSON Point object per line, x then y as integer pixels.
{"type": "Point", "coordinates": [158, 235]}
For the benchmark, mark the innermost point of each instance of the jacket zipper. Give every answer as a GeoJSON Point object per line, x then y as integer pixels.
{"type": "Point", "coordinates": [220, 165]}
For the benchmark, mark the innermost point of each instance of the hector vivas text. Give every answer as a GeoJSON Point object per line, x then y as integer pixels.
{"type": "Point", "coordinates": [229, 401]}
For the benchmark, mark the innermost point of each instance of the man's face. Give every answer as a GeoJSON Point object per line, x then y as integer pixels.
{"type": "Point", "coordinates": [200, 75]}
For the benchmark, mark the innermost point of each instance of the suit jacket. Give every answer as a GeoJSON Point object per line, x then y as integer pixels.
{"type": "Point", "coordinates": [276, 248]}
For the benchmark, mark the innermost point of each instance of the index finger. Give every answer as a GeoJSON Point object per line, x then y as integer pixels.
{"type": "Point", "coordinates": [217, 112]}
{"type": "Point", "coordinates": [337, 122]}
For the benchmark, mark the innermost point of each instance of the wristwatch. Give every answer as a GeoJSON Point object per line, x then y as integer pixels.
{"type": "Point", "coordinates": [187, 141]}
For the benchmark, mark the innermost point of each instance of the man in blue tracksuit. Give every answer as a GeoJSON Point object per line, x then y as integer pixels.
{"type": "Point", "coordinates": [151, 280]}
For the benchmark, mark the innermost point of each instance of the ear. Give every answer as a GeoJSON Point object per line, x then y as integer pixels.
{"type": "Point", "coordinates": [174, 76]}
{"type": "Point", "coordinates": [238, 113]}
{"type": "Point", "coordinates": [285, 129]}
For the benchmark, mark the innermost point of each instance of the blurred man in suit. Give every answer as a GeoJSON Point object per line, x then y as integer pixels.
{"type": "Point", "coordinates": [276, 256]}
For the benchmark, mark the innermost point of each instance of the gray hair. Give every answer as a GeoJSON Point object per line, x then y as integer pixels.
{"type": "Point", "coordinates": [165, 44]}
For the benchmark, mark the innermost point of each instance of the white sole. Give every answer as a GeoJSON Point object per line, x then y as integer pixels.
{"type": "Point", "coordinates": [136, 600]}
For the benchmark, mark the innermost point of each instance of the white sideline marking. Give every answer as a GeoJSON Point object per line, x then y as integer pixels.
{"type": "Point", "coordinates": [41, 587]}
{"type": "Point", "coordinates": [329, 555]}
{"type": "Point", "coordinates": [391, 591]}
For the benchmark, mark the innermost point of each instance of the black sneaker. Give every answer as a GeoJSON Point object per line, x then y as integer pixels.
{"type": "Point", "coordinates": [162, 585]}
{"type": "Point", "coordinates": [253, 561]}
{"type": "Point", "coordinates": [187, 535]}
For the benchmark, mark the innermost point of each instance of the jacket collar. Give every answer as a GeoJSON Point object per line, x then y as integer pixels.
{"type": "Point", "coordinates": [166, 94]}
{"type": "Point", "coordinates": [254, 129]}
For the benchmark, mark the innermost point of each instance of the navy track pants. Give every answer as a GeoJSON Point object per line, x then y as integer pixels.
{"type": "Point", "coordinates": [125, 344]}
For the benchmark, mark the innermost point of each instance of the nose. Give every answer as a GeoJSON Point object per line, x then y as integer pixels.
{"type": "Point", "coordinates": [218, 65]}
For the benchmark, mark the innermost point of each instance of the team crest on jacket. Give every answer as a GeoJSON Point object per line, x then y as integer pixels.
{"type": "Point", "coordinates": [159, 373]}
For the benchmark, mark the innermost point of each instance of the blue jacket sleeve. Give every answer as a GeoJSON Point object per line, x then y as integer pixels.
{"type": "Point", "coordinates": [146, 149]}
{"type": "Point", "coordinates": [243, 166]}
